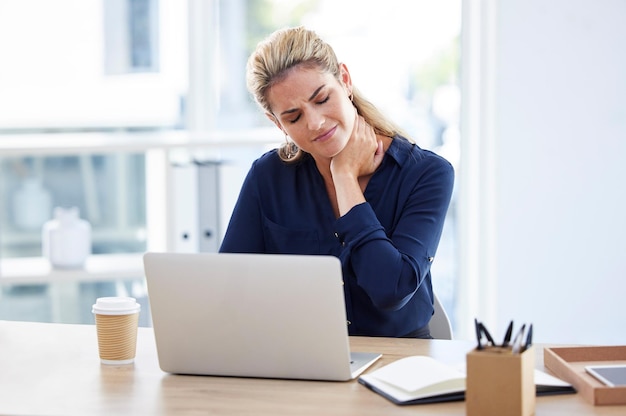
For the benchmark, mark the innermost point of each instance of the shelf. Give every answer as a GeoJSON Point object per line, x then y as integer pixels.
{"type": "Point", "coordinates": [130, 142]}
{"type": "Point", "coordinates": [98, 268]}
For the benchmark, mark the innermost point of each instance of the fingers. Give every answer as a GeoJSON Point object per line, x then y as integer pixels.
{"type": "Point", "coordinates": [379, 148]}
{"type": "Point", "coordinates": [363, 152]}
{"type": "Point", "coordinates": [358, 125]}
{"type": "Point", "coordinates": [363, 129]}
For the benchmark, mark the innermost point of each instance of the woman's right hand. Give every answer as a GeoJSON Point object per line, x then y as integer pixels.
{"type": "Point", "coordinates": [363, 152]}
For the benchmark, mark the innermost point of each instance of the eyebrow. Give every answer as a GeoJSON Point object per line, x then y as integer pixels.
{"type": "Point", "coordinates": [293, 110]}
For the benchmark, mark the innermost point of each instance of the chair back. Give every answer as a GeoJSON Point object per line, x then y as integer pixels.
{"type": "Point", "coordinates": [440, 326]}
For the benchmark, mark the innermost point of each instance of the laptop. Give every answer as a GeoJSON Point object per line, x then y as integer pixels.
{"type": "Point", "coordinates": [251, 315]}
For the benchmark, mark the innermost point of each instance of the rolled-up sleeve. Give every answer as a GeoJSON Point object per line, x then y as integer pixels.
{"type": "Point", "coordinates": [390, 265]}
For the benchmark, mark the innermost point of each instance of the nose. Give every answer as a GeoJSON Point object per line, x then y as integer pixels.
{"type": "Point", "coordinates": [315, 120]}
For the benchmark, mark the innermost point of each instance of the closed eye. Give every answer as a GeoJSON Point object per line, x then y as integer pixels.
{"type": "Point", "coordinates": [323, 101]}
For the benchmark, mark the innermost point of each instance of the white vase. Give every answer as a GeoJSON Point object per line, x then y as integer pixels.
{"type": "Point", "coordinates": [66, 239]}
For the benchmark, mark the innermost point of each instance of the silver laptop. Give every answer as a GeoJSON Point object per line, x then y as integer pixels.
{"type": "Point", "coordinates": [251, 315]}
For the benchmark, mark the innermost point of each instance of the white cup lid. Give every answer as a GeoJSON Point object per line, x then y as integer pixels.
{"type": "Point", "coordinates": [116, 306]}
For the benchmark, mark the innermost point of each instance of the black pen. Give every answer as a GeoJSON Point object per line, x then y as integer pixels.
{"type": "Point", "coordinates": [477, 326]}
{"type": "Point", "coordinates": [488, 335]}
{"type": "Point", "coordinates": [529, 337]}
{"type": "Point", "coordinates": [517, 341]}
{"type": "Point", "coordinates": [507, 336]}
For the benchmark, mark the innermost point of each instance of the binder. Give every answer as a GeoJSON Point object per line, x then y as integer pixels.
{"type": "Point", "coordinates": [196, 213]}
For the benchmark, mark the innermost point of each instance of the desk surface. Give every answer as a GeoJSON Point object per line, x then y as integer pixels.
{"type": "Point", "coordinates": [55, 369]}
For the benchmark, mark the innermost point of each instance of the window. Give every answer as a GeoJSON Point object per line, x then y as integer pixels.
{"type": "Point", "coordinates": [108, 190]}
{"type": "Point", "coordinates": [131, 36]}
{"type": "Point", "coordinates": [90, 69]}
{"type": "Point", "coordinates": [96, 70]}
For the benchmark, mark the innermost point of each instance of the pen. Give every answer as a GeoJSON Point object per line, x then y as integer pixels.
{"type": "Point", "coordinates": [487, 334]}
{"type": "Point", "coordinates": [529, 337]}
{"type": "Point", "coordinates": [477, 327]}
{"type": "Point", "coordinates": [507, 336]}
{"type": "Point", "coordinates": [517, 341]}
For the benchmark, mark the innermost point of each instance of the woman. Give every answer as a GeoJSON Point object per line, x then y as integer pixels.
{"type": "Point", "coordinates": [346, 183]}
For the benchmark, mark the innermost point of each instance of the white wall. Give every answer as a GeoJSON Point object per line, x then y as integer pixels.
{"type": "Point", "coordinates": [559, 107]}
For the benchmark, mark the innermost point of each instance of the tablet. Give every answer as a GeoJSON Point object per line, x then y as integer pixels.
{"type": "Point", "coordinates": [611, 375]}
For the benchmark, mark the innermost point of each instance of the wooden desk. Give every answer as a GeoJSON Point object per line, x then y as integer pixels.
{"type": "Point", "coordinates": [55, 369]}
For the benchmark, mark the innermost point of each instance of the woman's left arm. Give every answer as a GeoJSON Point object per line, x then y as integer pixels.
{"type": "Point", "coordinates": [390, 268]}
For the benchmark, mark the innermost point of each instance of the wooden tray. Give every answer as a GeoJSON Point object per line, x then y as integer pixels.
{"type": "Point", "coordinates": [569, 364]}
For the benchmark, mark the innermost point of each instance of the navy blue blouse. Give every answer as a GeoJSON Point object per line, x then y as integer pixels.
{"type": "Point", "coordinates": [386, 245]}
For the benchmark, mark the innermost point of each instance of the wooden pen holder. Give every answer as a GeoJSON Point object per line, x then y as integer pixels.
{"type": "Point", "coordinates": [500, 382]}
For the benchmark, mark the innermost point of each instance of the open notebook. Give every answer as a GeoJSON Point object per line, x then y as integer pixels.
{"type": "Point", "coordinates": [251, 315]}
{"type": "Point", "coordinates": [422, 379]}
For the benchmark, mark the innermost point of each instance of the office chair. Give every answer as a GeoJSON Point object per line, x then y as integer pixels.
{"type": "Point", "coordinates": [440, 326]}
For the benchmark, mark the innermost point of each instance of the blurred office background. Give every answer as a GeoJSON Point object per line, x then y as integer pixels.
{"type": "Point", "coordinates": [136, 112]}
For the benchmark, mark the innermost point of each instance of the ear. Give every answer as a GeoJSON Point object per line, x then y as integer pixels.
{"type": "Point", "coordinates": [345, 77]}
{"type": "Point", "coordinates": [274, 120]}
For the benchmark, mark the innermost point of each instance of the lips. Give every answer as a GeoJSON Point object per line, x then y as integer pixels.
{"type": "Point", "coordinates": [325, 136]}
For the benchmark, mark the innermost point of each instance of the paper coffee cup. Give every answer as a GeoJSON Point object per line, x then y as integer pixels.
{"type": "Point", "coordinates": [117, 319]}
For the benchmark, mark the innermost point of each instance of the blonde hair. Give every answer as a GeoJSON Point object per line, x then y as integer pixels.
{"type": "Point", "coordinates": [291, 47]}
